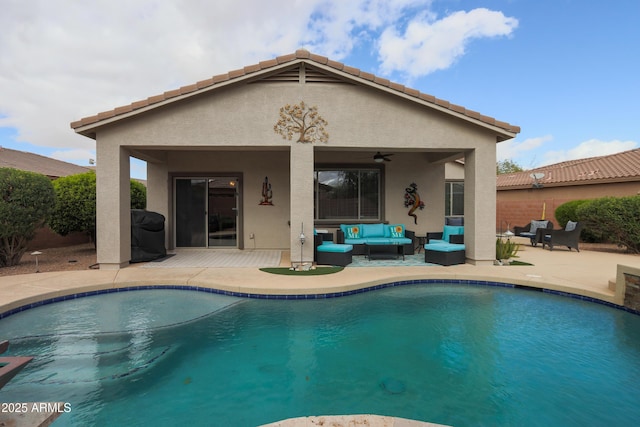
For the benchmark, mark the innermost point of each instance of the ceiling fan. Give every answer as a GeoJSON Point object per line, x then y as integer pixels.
{"type": "Point", "coordinates": [379, 157]}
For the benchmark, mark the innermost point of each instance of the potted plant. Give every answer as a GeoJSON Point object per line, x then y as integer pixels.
{"type": "Point", "coordinates": [505, 250]}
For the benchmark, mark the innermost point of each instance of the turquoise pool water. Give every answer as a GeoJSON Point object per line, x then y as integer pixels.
{"type": "Point", "coordinates": [462, 355]}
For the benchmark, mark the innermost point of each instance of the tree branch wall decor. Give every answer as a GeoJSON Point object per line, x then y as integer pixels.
{"type": "Point", "coordinates": [301, 120]}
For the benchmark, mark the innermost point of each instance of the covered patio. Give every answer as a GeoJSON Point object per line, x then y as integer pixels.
{"type": "Point", "coordinates": [227, 170]}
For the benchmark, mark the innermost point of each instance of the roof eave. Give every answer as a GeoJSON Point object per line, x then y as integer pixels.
{"type": "Point", "coordinates": [88, 125]}
{"type": "Point", "coordinates": [571, 183]}
{"type": "Point", "coordinates": [148, 105]}
{"type": "Point", "coordinates": [428, 101]}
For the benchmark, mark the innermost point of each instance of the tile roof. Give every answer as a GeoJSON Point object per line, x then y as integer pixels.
{"type": "Point", "coordinates": [36, 163]}
{"type": "Point", "coordinates": [619, 167]}
{"type": "Point", "coordinates": [299, 56]}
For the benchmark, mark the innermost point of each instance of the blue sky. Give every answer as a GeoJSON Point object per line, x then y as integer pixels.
{"type": "Point", "coordinates": [565, 71]}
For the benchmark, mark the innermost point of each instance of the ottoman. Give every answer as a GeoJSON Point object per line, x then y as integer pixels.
{"type": "Point", "coordinates": [334, 254]}
{"type": "Point", "coordinates": [444, 253]}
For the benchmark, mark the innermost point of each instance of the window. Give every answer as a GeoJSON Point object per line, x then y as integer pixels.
{"type": "Point", "coordinates": [347, 194]}
{"type": "Point", "coordinates": [454, 198]}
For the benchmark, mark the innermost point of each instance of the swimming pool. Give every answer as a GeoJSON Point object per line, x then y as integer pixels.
{"type": "Point", "coordinates": [462, 355]}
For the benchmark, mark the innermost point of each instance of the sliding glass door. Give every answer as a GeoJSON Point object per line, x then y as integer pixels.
{"type": "Point", "coordinates": [206, 211]}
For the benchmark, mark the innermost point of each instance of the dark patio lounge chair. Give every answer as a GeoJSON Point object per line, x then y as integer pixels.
{"type": "Point", "coordinates": [534, 231]}
{"type": "Point", "coordinates": [568, 237]}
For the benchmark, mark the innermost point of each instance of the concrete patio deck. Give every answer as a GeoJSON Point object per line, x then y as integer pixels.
{"type": "Point", "coordinates": [587, 273]}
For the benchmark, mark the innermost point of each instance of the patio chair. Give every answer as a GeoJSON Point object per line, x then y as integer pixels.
{"type": "Point", "coordinates": [535, 230]}
{"type": "Point", "coordinates": [568, 237]}
{"type": "Point", "coordinates": [328, 253]}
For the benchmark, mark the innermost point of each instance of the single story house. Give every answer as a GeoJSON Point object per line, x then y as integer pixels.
{"type": "Point", "coordinates": [32, 162]}
{"type": "Point", "coordinates": [535, 194]}
{"type": "Point", "coordinates": [254, 158]}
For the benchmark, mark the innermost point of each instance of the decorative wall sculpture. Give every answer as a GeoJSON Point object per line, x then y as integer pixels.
{"type": "Point", "coordinates": [267, 195]}
{"type": "Point", "coordinates": [412, 200]}
{"type": "Point", "coordinates": [301, 120]}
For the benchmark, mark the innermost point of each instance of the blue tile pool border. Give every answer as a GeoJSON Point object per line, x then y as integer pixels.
{"type": "Point", "coordinates": [312, 296]}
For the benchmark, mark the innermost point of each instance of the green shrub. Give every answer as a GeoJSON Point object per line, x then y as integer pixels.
{"type": "Point", "coordinates": [138, 195]}
{"type": "Point", "coordinates": [568, 212]}
{"type": "Point", "coordinates": [26, 201]}
{"type": "Point", "coordinates": [75, 209]}
{"type": "Point", "coordinates": [616, 219]}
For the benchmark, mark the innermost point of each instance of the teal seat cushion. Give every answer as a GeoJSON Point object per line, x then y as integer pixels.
{"type": "Point", "coordinates": [401, 241]}
{"type": "Point", "coordinates": [353, 241]}
{"type": "Point", "coordinates": [335, 248]}
{"type": "Point", "coordinates": [443, 247]}
{"type": "Point", "coordinates": [450, 230]}
{"type": "Point", "coordinates": [379, 240]}
{"type": "Point", "coordinates": [437, 241]}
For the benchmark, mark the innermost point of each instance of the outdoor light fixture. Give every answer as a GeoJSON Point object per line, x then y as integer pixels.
{"type": "Point", "coordinates": [509, 234]}
{"type": "Point", "coordinates": [302, 240]}
{"type": "Point", "coordinates": [379, 157]}
{"type": "Point", "coordinates": [36, 253]}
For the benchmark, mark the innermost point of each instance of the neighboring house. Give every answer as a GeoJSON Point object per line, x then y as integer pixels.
{"type": "Point", "coordinates": [36, 163]}
{"type": "Point", "coordinates": [522, 198]}
{"type": "Point", "coordinates": [220, 171]}
{"type": "Point", "coordinates": [52, 168]}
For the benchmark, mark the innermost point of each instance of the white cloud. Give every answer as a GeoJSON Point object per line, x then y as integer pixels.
{"type": "Point", "coordinates": [590, 148]}
{"type": "Point", "coordinates": [517, 151]}
{"type": "Point", "coordinates": [77, 156]}
{"type": "Point", "coordinates": [429, 44]}
{"type": "Point", "coordinates": [63, 60]}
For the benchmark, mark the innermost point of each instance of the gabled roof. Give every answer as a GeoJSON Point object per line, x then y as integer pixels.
{"type": "Point", "coordinates": [279, 69]}
{"type": "Point", "coordinates": [36, 163]}
{"type": "Point", "coordinates": [621, 167]}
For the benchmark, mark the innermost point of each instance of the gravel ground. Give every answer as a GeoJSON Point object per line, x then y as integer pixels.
{"type": "Point", "coordinates": [79, 257]}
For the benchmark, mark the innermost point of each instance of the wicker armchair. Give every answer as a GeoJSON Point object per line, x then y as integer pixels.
{"type": "Point", "coordinates": [537, 234]}
{"type": "Point", "coordinates": [568, 237]}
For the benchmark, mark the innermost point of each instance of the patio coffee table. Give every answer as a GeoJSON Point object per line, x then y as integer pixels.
{"type": "Point", "coordinates": [383, 251]}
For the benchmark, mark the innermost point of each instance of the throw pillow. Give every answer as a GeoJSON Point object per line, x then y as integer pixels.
{"type": "Point", "coordinates": [397, 230]}
{"type": "Point", "coordinates": [570, 226]}
{"type": "Point", "coordinates": [537, 224]}
{"type": "Point", "coordinates": [353, 232]}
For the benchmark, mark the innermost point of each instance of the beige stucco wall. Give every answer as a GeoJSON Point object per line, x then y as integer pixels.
{"type": "Point", "coordinates": [245, 116]}
{"type": "Point", "coordinates": [232, 131]}
{"type": "Point", "coordinates": [454, 171]}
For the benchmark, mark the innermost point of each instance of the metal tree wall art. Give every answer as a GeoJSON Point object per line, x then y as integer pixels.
{"type": "Point", "coordinates": [301, 120]}
{"type": "Point", "coordinates": [412, 200]}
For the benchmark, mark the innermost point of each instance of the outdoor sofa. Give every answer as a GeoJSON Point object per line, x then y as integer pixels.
{"type": "Point", "coordinates": [358, 235]}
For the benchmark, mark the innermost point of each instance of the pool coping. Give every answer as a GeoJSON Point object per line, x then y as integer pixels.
{"type": "Point", "coordinates": [302, 293]}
